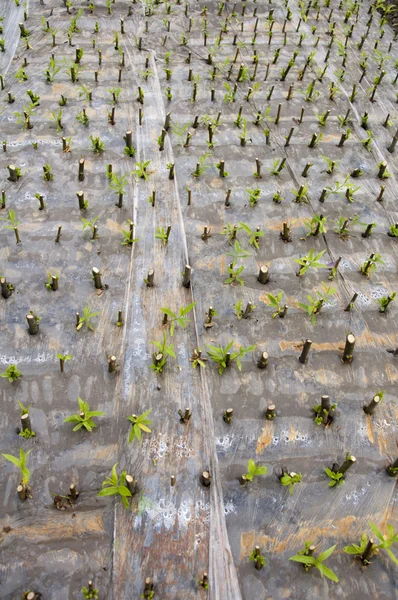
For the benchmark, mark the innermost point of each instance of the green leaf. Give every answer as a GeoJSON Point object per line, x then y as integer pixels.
{"type": "Point", "coordinates": [95, 413]}
{"type": "Point", "coordinates": [144, 427]}
{"type": "Point", "coordinates": [169, 313]}
{"type": "Point", "coordinates": [376, 531]}
{"type": "Point", "coordinates": [123, 491]}
{"type": "Point", "coordinates": [187, 309]}
{"type": "Point", "coordinates": [137, 432]}
{"type": "Point", "coordinates": [306, 560]}
{"type": "Point", "coordinates": [108, 491]}
{"type": "Point", "coordinates": [261, 470]}
{"type": "Point", "coordinates": [12, 459]}
{"type": "Point", "coordinates": [324, 555]}
{"type": "Point", "coordinates": [391, 555]}
{"type": "Point", "coordinates": [327, 572]}
{"type": "Point", "coordinates": [251, 466]}
{"type": "Point", "coordinates": [114, 474]}
{"type": "Point", "coordinates": [79, 426]}
{"type": "Point", "coordinates": [73, 419]}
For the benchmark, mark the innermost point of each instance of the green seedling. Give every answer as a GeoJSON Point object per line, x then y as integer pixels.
{"type": "Point", "coordinates": [254, 195]}
{"type": "Point", "coordinates": [50, 284]}
{"type": "Point", "coordinates": [275, 303]}
{"type": "Point", "coordinates": [316, 225]}
{"type": "Point", "coordinates": [311, 260]}
{"type": "Point", "coordinates": [197, 360]}
{"type": "Point", "coordinates": [84, 418]}
{"type": "Point", "coordinates": [223, 357]}
{"type": "Point", "coordinates": [331, 164]}
{"type": "Point", "coordinates": [342, 225]}
{"type": "Point", "coordinates": [21, 464]}
{"type": "Point", "coordinates": [254, 234]}
{"type": "Point", "coordinates": [238, 252]}
{"type": "Point", "coordinates": [393, 230]}
{"type": "Point", "coordinates": [115, 93]}
{"type": "Point", "coordinates": [51, 71]}
{"type": "Point", "coordinates": [254, 471]}
{"type": "Point", "coordinates": [73, 26]}
{"type": "Point", "coordinates": [370, 265]}
{"type": "Point", "coordinates": [301, 194]}
{"type": "Point", "coordinates": [112, 486]}
{"type": "Point", "coordinates": [11, 373]}
{"type": "Point", "coordinates": [367, 142]}
{"type": "Point", "coordinates": [21, 74]}
{"type": "Point", "coordinates": [307, 560]}
{"type": "Point", "coordinates": [86, 318]}
{"type": "Point", "coordinates": [128, 239]}
{"type": "Point", "coordinates": [385, 301]}
{"type": "Point", "coordinates": [202, 165]}
{"type": "Point", "coordinates": [322, 415]}
{"type": "Point", "coordinates": [56, 118]}
{"type": "Point", "coordinates": [310, 94]}
{"type": "Point", "coordinates": [47, 175]}
{"type": "Point", "coordinates": [258, 558]}
{"type": "Point", "coordinates": [240, 312]}
{"type": "Point", "coordinates": [230, 95]}
{"type": "Point", "coordinates": [160, 358]}
{"type": "Point", "coordinates": [171, 318]}
{"type": "Point", "coordinates": [290, 480]}
{"type": "Point", "coordinates": [322, 118]}
{"type": "Point", "coordinates": [316, 302]}
{"type": "Point", "coordinates": [163, 235]}
{"type": "Point", "coordinates": [87, 224]}
{"type": "Point", "coordinates": [367, 548]}
{"type": "Point", "coordinates": [90, 593]}
{"type": "Point", "coordinates": [180, 131]}
{"type": "Point", "coordinates": [118, 184]}
{"type": "Point", "coordinates": [82, 117]}
{"type": "Point", "coordinates": [34, 98]}
{"type": "Point", "coordinates": [63, 358]}
{"type": "Point", "coordinates": [243, 136]}
{"type": "Point", "coordinates": [12, 218]}
{"type": "Point", "coordinates": [97, 144]}
{"type": "Point", "coordinates": [139, 424]}
{"type": "Point", "coordinates": [231, 231]}
{"type": "Point", "coordinates": [278, 164]}
{"type": "Point", "coordinates": [234, 274]}
{"type": "Point", "coordinates": [140, 170]}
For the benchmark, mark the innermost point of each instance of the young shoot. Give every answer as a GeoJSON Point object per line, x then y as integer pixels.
{"type": "Point", "coordinates": [290, 480]}
{"type": "Point", "coordinates": [11, 373]}
{"type": "Point", "coordinates": [97, 145]}
{"type": "Point", "coordinates": [84, 418]}
{"type": "Point", "coordinates": [234, 274]}
{"type": "Point", "coordinates": [160, 357]}
{"type": "Point", "coordinates": [139, 424]}
{"type": "Point", "coordinates": [202, 165]}
{"type": "Point", "coordinates": [223, 357]}
{"type": "Point", "coordinates": [254, 195]}
{"type": "Point", "coordinates": [368, 548]}
{"type": "Point", "coordinates": [385, 301]}
{"type": "Point", "coordinates": [306, 558]}
{"type": "Point", "coordinates": [276, 303]}
{"type": "Point", "coordinates": [140, 170]}
{"type": "Point", "coordinates": [86, 318]}
{"type": "Point", "coordinates": [113, 486]}
{"type": "Point", "coordinates": [311, 260]}
{"type": "Point", "coordinates": [254, 471]}
{"type": "Point", "coordinates": [254, 234]}
{"type": "Point", "coordinates": [316, 302]}
{"type": "Point", "coordinates": [21, 464]}
{"type": "Point", "coordinates": [171, 318]}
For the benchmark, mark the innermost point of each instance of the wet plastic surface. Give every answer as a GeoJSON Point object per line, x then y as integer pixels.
{"type": "Point", "coordinates": [174, 534]}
